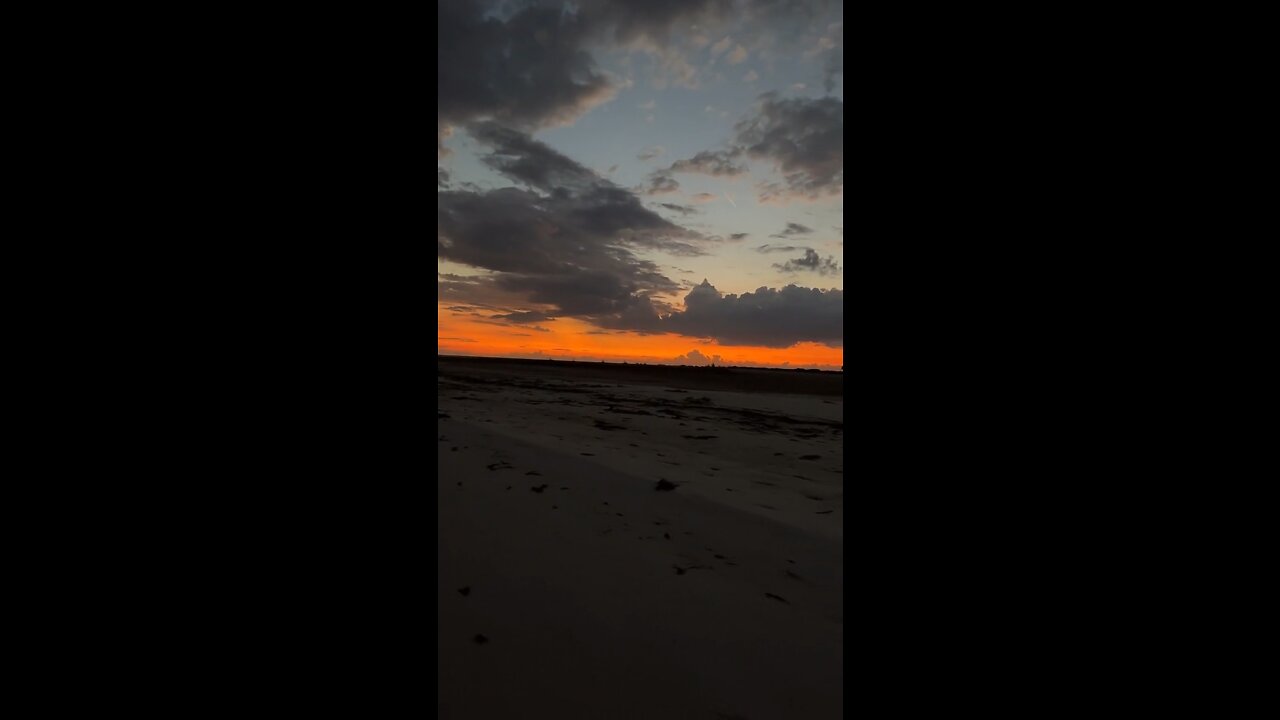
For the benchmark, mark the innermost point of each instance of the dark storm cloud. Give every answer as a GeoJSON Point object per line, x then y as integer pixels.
{"type": "Point", "coordinates": [529, 69]}
{"type": "Point", "coordinates": [804, 138]}
{"type": "Point", "coordinates": [712, 162]}
{"type": "Point", "coordinates": [595, 205]}
{"type": "Point", "coordinates": [793, 229]}
{"type": "Point", "coordinates": [590, 294]}
{"type": "Point", "coordinates": [569, 248]}
{"type": "Point", "coordinates": [442, 178]}
{"type": "Point", "coordinates": [530, 64]}
{"type": "Point", "coordinates": [521, 158]}
{"type": "Point", "coordinates": [768, 317]}
{"type": "Point", "coordinates": [811, 262]}
{"type": "Point", "coordinates": [517, 231]}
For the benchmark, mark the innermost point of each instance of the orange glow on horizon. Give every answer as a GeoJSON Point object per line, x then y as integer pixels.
{"type": "Point", "coordinates": [570, 339]}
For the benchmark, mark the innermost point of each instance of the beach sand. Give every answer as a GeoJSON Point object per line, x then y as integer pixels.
{"type": "Point", "coordinates": [571, 586]}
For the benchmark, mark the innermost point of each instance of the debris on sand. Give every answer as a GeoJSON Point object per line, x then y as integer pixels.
{"type": "Point", "coordinates": [464, 591]}
{"type": "Point", "coordinates": [480, 639]}
{"type": "Point", "coordinates": [664, 485]}
{"type": "Point", "coordinates": [539, 488]}
{"type": "Point", "coordinates": [779, 598]}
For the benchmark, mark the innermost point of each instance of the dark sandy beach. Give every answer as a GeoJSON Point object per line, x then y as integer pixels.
{"type": "Point", "coordinates": [639, 542]}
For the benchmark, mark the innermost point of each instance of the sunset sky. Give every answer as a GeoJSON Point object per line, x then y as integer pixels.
{"type": "Point", "coordinates": [642, 181]}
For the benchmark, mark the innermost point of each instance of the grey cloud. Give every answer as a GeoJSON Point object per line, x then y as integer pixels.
{"type": "Point", "coordinates": [594, 204]}
{"type": "Point", "coordinates": [811, 262]}
{"type": "Point", "coordinates": [682, 209]}
{"type": "Point", "coordinates": [442, 178]}
{"type": "Point", "coordinates": [660, 183]}
{"type": "Point", "coordinates": [804, 138]}
{"type": "Point", "coordinates": [529, 64]}
{"type": "Point", "coordinates": [768, 317]}
{"type": "Point", "coordinates": [738, 236]}
{"type": "Point", "coordinates": [529, 69]}
{"type": "Point", "coordinates": [793, 229]}
{"type": "Point", "coordinates": [711, 162]}
{"type": "Point", "coordinates": [703, 197]}
{"type": "Point", "coordinates": [522, 158]}
{"type": "Point", "coordinates": [568, 249]}
{"type": "Point", "coordinates": [523, 317]}
{"type": "Point", "coordinates": [779, 248]}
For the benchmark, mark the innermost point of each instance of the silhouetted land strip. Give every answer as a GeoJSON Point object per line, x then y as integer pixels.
{"type": "Point", "coordinates": [807, 382]}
